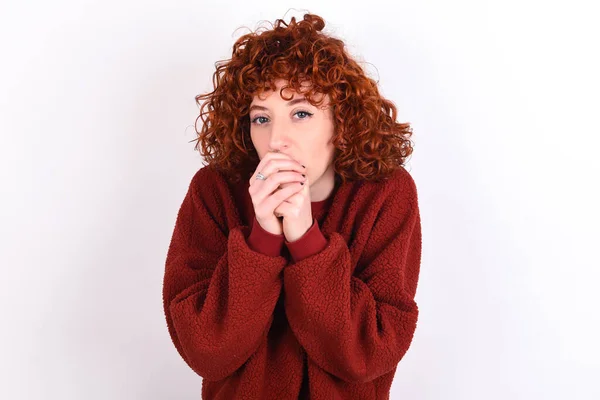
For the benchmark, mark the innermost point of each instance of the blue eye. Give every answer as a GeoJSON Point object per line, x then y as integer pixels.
{"type": "Point", "coordinates": [254, 120]}
{"type": "Point", "coordinates": [304, 112]}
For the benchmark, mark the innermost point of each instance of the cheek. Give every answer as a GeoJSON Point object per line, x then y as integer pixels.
{"type": "Point", "coordinates": [259, 147]}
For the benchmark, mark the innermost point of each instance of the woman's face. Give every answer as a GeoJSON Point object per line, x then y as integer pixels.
{"type": "Point", "coordinates": [295, 128]}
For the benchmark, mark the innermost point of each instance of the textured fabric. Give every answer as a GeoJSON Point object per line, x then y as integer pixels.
{"type": "Point", "coordinates": [328, 316]}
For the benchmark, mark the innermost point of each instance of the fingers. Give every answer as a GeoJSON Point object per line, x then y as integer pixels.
{"type": "Point", "coordinates": [274, 162]}
{"type": "Point", "coordinates": [277, 169]}
{"type": "Point", "coordinates": [289, 200]}
{"type": "Point", "coordinates": [274, 200]}
{"type": "Point", "coordinates": [283, 175]}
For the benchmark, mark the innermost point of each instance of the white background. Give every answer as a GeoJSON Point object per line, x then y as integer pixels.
{"type": "Point", "coordinates": [97, 117]}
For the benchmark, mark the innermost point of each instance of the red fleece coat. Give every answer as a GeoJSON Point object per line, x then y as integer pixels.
{"type": "Point", "coordinates": [328, 316]}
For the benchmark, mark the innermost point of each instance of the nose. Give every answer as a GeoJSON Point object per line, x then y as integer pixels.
{"type": "Point", "coordinates": [279, 137]}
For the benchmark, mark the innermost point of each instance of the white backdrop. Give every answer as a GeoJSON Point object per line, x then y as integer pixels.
{"type": "Point", "coordinates": [96, 115]}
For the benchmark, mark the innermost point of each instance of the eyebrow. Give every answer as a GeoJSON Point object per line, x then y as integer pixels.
{"type": "Point", "coordinates": [289, 103]}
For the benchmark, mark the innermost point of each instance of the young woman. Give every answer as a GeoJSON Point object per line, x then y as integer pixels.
{"type": "Point", "coordinates": [294, 261]}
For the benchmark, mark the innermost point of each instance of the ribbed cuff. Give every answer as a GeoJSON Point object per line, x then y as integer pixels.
{"type": "Point", "coordinates": [265, 242]}
{"type": "Point", "coordinates": [310, 243]}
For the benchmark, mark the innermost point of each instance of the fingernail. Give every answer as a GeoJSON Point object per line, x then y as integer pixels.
{"type": "Point", "coordinates": [302, 183]}
{"type": "Point", "coordinates": [304, 175]}
{"type": "Point", "coordinates": [303, 166]}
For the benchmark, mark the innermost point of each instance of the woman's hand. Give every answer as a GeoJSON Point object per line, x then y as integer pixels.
{"type": "Point", "coordinates": [297, 213]}
{"type": "Point", "coordinates": [284, 175]}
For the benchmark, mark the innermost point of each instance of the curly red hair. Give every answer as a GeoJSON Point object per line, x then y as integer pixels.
{"type": "Point", "coordinates": [369, 143]}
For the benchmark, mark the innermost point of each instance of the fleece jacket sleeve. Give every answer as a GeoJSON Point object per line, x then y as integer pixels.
{"type": "Point", "coordinates": [359, 327]}
{"type": "Point", "coordinates": [218, 293]}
